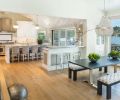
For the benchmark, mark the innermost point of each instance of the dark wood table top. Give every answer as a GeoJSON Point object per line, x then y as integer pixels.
{"type": "Point", "coordinates": [103, 62]}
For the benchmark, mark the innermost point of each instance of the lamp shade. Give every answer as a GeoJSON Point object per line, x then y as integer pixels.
{"type": "Point", "coordinates": [105, 27]}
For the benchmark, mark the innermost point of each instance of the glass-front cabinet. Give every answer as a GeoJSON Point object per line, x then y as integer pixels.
{"type": "Point", "coordinates": [63, 37]}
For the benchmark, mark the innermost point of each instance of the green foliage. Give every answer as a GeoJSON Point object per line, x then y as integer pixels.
{"type": "Point", "coordinates": [41, 36]}
{"type": "Point", "coordinates": [93, 57]}
{"type": "Point", "coordinates": [114, 54]}
{"type": "Point", "coordinates": [116, 29]}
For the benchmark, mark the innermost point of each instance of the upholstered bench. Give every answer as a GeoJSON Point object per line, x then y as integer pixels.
{"type": "Point", "coordinates": [108, 81]}
{"type": "Point", "coordinates": [74, 69]}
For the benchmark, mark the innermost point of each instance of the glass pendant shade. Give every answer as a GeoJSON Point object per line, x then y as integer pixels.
{"type": "Point", "coordinates": [105, 27]}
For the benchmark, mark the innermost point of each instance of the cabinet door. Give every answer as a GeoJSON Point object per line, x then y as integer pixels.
{"type": "Point", "coordinates": [70, 37]}
{"type": "Point", "coordinates": [55, 59]}
{"type": "Point", "coordinates": [56, 38]}
{"type": "Point", "coordinates": [62, 38]}
{"type": "Point", "coordinates": [6, 24]}
{"type": "Point", "coordinates": [0, 25]}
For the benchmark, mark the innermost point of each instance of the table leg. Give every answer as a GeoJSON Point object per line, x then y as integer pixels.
{"type": "Point", "coordinates": [69, 73]}
{"type": "Point", "coordinates": [105, 69]}
{"type": "Point", "coordinates": [115, 68]}
{"type": "Point", "coordinates": [91, 76]}
{"type": "Point", "coordinates": [74, 75]}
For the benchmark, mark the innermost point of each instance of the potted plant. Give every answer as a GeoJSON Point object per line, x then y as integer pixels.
{"type": "Point", "coordinates": [93, 57]}
{"type": "Point", "coordinates": [114, 54]}
{"type": "Point", "coordinates": [40, 38]}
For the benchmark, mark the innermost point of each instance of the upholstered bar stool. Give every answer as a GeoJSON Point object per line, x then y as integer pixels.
{"type": "Point", "coordinates": [33, 53]}
{"type": "Point", "coordinates": [15, 54]}
{"type": "Point", "coordinates": [25, 53]}
{"type": "Point", "coordinates": [40, 54]}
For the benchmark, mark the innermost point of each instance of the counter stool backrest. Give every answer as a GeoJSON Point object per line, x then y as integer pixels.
{"type": "Point", "coordinates": [15, 50]}
{"type": "Point", "coordinates": [25, 49]}
{"type": "Point", "coordinates": [77, 55]}
{"type": "Point", "coordinates": [34, 49]}
{"type": "Point", "coordinates": [40, 48]}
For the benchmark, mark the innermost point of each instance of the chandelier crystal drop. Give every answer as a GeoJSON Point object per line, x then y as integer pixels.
{"type": "Point", "coordinates": [105, 26]}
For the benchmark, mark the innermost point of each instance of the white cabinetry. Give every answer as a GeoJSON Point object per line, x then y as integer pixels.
{"type": "Point", "coordinates": [63, 37]}
{"type": "Point", "coordinates": [57, 56]}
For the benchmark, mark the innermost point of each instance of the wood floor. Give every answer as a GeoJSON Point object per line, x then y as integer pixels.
{"type": "Point", "coordinates": [54, 85]}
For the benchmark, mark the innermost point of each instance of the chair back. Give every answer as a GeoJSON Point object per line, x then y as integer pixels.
{"type": "Point", "coordinates": [25, 49]}
{"type": "Point", "coordinates": [15, 50]}
{"type": "Point", "coordinates": [76, 55]}
{"type": "Point", "coordinates": [34, 49]}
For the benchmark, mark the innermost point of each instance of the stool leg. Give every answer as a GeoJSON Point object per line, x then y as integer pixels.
{"type": "Point", "coordinates": [99, 88]}
{"type": "Point", "coordinates": [69, 73]}
{"type": "Point", "coordinates": [108, 92]}
{"type": "Point", "coordinates": [56, 62]}
{"type": "Point", "coordinates": [115, 69]}
{"type": "Point", "coordinates": [74, 75]}
{"type": "Point", "coordinates": [105, 69]}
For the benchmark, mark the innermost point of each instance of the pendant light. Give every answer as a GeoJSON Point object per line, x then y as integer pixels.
{"type": "Point", "coordinates": [37, 25]}
{"type": "Point", "coordinates": [105, 26]}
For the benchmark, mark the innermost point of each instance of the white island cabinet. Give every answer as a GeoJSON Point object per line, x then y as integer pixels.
{"type": "Point", "coordinates": [57, 57]}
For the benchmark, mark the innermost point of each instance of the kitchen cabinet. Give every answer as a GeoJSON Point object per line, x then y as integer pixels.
{"type": "Point", "coordinates": [5, 24]}
{"type": "Point", "coordinates": [59, 56]}
{"type": "Point", "coordinates": [0, 24]}
{"type": "Point", "coordinates": [63, 37]}
{"type": "Point", "coordinates": [56, 59]}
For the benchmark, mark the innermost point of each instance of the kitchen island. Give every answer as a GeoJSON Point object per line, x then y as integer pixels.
{"type": "Point", "coordinates": [55, 57]}
{"type": "Point", "coordinates": [8, 49]}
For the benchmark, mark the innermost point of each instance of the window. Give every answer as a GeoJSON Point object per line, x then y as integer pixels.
{"type": "Point", "coordinates": [63, 37]}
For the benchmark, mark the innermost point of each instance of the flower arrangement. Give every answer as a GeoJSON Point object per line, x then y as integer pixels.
{"type": "Point", "coordinates": [114, 54]}
{"type": "Point", "coordinates": [93, 57]}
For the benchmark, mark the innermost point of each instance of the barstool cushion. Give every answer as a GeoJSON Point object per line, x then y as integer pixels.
{"type": "Point", "coordinates": [110, 78]}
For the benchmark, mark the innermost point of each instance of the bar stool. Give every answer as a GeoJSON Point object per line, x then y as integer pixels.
{"type": "Point", "coordinates": [33, 53]}
{"type": "Point", "coordinates": [39, 53]}
{"type": "Point", "coordinates": [76, 56]}
{"type": "Point", "coordinates": [25, 53]}
{"type": "Point", "coordinates": [66, 58]}
{"type": "Point", "coordinates": [15, 54]}
{"type": "Point", "coordinates": [56, 61]}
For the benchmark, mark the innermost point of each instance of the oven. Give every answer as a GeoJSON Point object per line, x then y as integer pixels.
{"type": "Point", "coordinates": [2, 50]}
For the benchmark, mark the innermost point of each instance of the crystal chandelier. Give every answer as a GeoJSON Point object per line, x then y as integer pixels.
{"type": "Point", "coordinates": [105, 27]}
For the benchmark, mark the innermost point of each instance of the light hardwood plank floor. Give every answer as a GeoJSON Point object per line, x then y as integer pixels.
{"type": "Point", "coordinates": [43, 85]}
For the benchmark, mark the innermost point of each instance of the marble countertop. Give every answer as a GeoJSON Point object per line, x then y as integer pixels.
{"type": "Point", "coordinates": [57, 47]}
{"type": "Point", "coordinates": [20, 44]}
{"type": "Point", "coordinates": [62, 47]}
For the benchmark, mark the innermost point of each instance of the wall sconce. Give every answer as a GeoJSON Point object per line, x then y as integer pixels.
{"type": "Point", "coordinates": [37, 25]}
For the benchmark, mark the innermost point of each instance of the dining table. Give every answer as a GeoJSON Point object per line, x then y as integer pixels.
{"type": "Point", "coordinates": [103, 62]}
